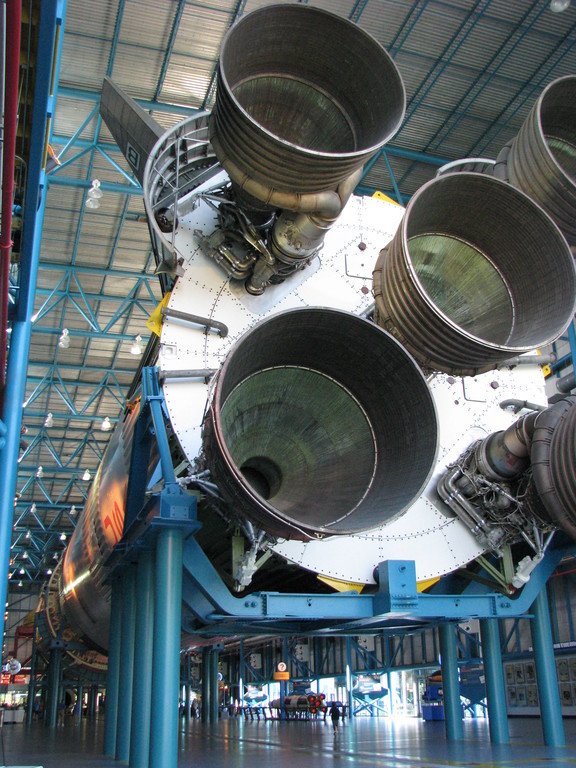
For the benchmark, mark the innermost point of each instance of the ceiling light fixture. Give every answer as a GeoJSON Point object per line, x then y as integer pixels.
{"type": "Point", "coordinates": [87, 476]}
{"type": "Point", "coordinates": [40, 472]}
{"type": "Point", "coordinates": [73, 510]}
{"type": "Point", "coordinates": [136, 348]}
{"type": "Point", "coordinates": [557, 6]}
{"type": "Point", "coordinates": [62, 537]}
{"type": "Point", "coordinates": [64, 340]}
{"type": "Point", "coordinates": [49, 421]}
{"type": "Point", "coordinates": [94, 195]}
{"type": "Point", "coordinates": [106, 426]}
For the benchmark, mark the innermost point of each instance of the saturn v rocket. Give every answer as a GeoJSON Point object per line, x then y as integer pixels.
{"type": "Point", "coordinates": [334, 368]}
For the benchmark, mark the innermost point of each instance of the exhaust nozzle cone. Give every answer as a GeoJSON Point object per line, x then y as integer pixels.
{"type": "Point", "coordinates": [541, 161]}
{"type": "Point", "coordinates": [551, 491]}
{"type": "Point", "coordinates": [320, 424]}
{"type": "Point", "coordinates": [304, 98]}
{"type": "Point", "coordinates": [476, 273]}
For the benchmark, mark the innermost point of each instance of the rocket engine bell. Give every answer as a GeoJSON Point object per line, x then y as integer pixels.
{"type": "Point", "coordinates": [314, 422]}
{"type": "Point", "coordinates": [540, 159]}
{"type": "Point", "coordinates": [457, 283]}
{"type": "Point", "coordinates": [293, 124]}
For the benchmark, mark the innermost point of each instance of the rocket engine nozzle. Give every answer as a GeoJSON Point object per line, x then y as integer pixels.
{"type": "Point", "coordinates": [460, 284]}
{"type": "Point", "coordinates": [320, 424]}
{"type": "Point", "coordinates": [541, 160]}
{"type": "Point", "coordinates": [304, 98]}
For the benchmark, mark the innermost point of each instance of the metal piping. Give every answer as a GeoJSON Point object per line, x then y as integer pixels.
{"type": "Point", "coordinates": [567, 383]}
{"type": "Point", "coordinates": [529, 360]}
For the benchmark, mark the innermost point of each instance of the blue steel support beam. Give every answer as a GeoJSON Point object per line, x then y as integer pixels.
{"type": "Point", "coordinates": [142, 686]}
{"type": "Point", "coordinates": [206, 671]}
{"type": "Point", "coordinates": [188, 686]}
{"type": "Point", "coordinates": [572, 341]}
{"type": "Point", "coordinates": [53, 684]}
{"type": "Point", "coordinates": [32, 679]}
{"type": "Point", "coordinates": [550, 710]}
{"type": "Point", "coordinates": [397, 597]}
{"type": "Point", "coordinates": [349, 695]}
{"type": "Point", "coordinates": [152, 106]}
{"type": "Point", "coordinates": [89, 334]}
{"type": "Point", "coordinates": [105, 186]}
{"type": "Point", "coordinates": [126, 663]}
{"type": "Point", "coordinates": [450, 682]}
{"type": "Point", "coordinates": [78, 706]}
{"type": "Point", "coordinates": [92, 701]}
{"type": "Point", "coordinates": [166, 660]}
{"type": "Point", "coordinates": [113, 672]}
{"type": "Point", "coordinates": [495, 689]}
{"type": "Point", "coordinates": [214, 657]}
{"type": "Point", "coordinates": [52, 14]}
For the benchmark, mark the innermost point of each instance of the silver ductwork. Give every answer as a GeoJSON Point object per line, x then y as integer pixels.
{"type": "Point", "coordinates": [313, 422]}
{"type": "Point", "coordinates": [541, 160]}
{"type": "Point", "coordinates": [460, 284]}
{"type": "Point", "coordinates": [304, 98]}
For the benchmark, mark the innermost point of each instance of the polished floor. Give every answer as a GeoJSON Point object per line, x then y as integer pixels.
{"type": "Point", "coordinates": [235, 743]}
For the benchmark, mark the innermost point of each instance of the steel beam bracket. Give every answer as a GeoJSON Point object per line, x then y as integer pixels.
{"type": "Point", "coordinates": [173, 505]}
{"type": "Point", "coordinates": [397, 591]}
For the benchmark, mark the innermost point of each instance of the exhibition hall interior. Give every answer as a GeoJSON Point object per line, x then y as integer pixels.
{"type": "Point", "coordinates": [288, 401]}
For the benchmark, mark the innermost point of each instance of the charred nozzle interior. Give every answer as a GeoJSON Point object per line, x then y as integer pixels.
{"type": "Point", "coordinates": [320, 423]}
{"type": "Point", "coordinates": [462, 282]}
{"type": "Point", "coordinates": [304, 99]}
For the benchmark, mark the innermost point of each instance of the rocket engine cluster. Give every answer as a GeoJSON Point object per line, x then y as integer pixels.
{"type": "Point", "coordinates": [341, 394]}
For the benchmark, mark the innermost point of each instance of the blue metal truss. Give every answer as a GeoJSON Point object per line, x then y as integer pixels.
{"type": "Point", "coordinates": [214, 612]}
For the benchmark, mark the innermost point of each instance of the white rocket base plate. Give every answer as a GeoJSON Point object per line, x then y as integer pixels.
{"type": "Point", "coordinates": [340, 278]}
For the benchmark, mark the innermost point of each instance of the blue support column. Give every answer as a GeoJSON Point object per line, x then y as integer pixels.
{"type": "Point", "coordinates": [349, 677]}
{"type": "Point", "coordinates": [495, 688]}
{"type": "Point", "coordinates": [550, 709]}
{"type": "Point", "coordinates": [188, 687]}
{"type": "Point", "coordinates": [92, 701]}
{"type": "Point", "coordinates": [32, 685]}
{"type": "Point", "coordinates": [214, 658]}
{"type": "Point", "coordinates": [78, 706]}
{"type": "Point", "coordinates": [166, 659]}
{"type": "Point", "coordinates": [53, 684]}
{"type": "Point", "coordinates": [206, 672]}
{"type": "Point", "coordinates": [51, 13]}
{"type": "Point", "coordinates": [126, 678]}
{"type": "Point", "coordinates": [113, 673]}
{"type": "Point", "coordinates": [450, 682]}
{"type": "Point", "coordinates": [142, 686]}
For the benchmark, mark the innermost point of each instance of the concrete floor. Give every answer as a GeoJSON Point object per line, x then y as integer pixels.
{"type": "Point", "coordinates": [235, 743]}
